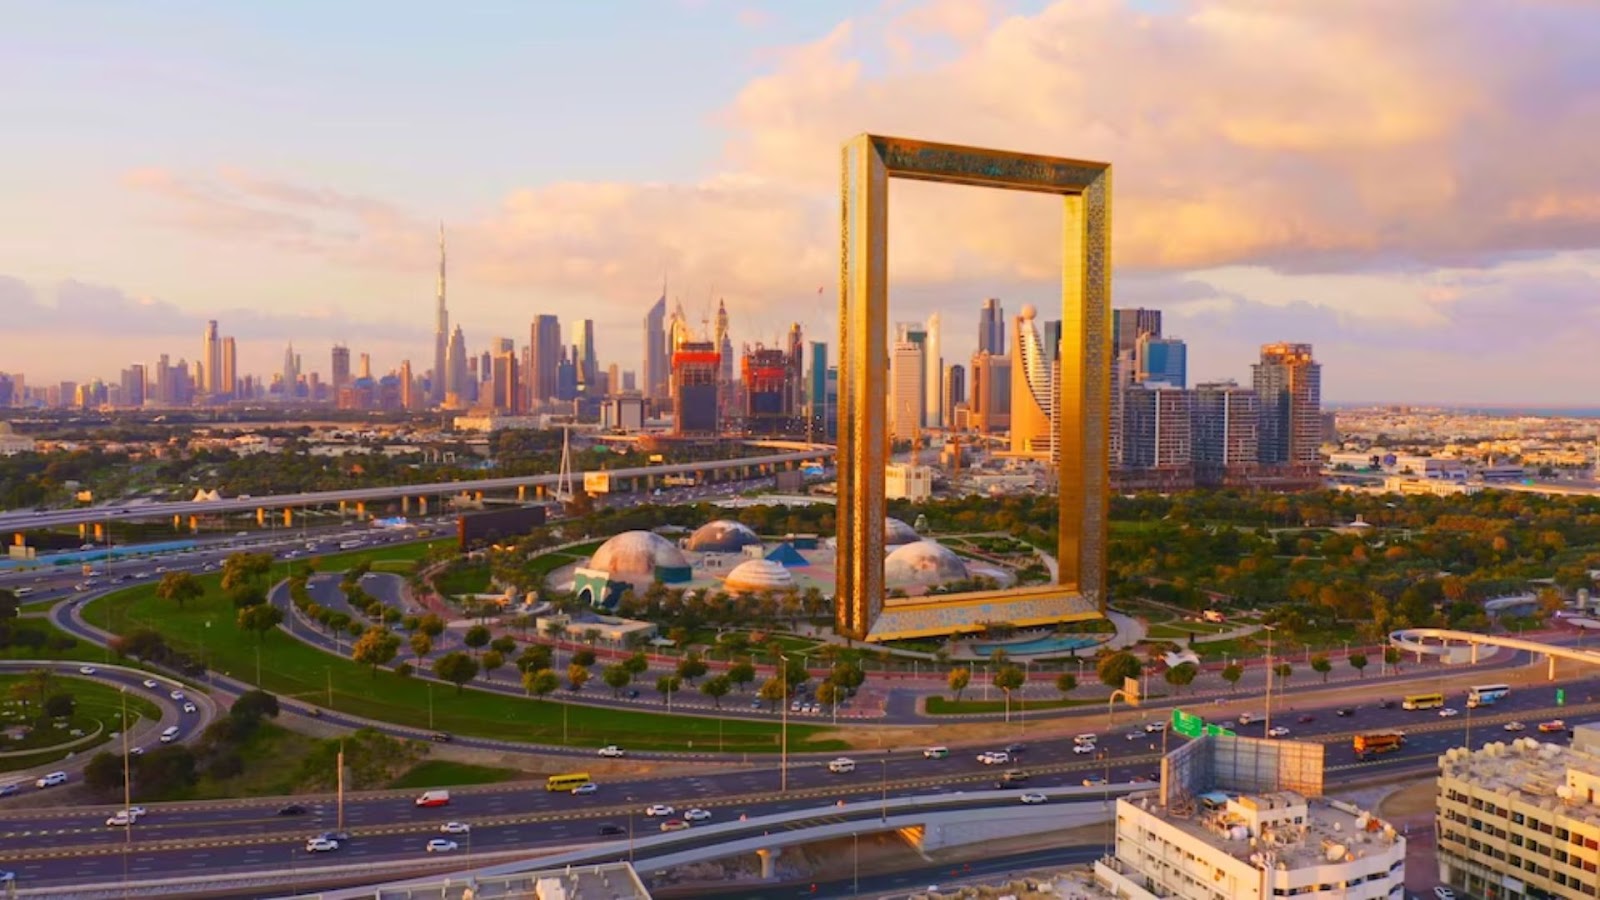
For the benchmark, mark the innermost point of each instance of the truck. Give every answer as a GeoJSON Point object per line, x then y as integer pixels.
{"type": "Point", "coordinates": [1213, 615]}
{"type": "Point", "coordinates": [1377, 742]}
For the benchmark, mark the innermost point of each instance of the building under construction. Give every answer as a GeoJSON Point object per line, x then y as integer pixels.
{"type": "Point", "coordinates": [695, 365]}
{"type": "Point", "coordinates": [771, 387]}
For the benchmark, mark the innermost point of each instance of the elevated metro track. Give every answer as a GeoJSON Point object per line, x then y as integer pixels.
{"type": "Point", "coordinates": [1447, 644]}
{"type": "Point", "coordinates": [27, 521]}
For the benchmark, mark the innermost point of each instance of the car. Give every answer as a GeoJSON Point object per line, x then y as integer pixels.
{"type": "Point", "coordinates": [151, 684]}
{"type": "Point", "coordinates": [1449, 712]}
{"type": "Point", "coordinates": [321, 845]}
{"type": "Point", "coordinates": [611, 829]}
{"type": "Point", "coordinates": [1081, 749]}
{"type": "Point", "coordinates": [10, 790]}
{"type": "Point", "coordinates": [455, 828]}
{"type": "Point", "coordinates": [122, 818]}
{"type": "Point", "coordinates": [1033, 798]}
{"type": "Point", "coordinates": [1552, 726]}
{"type": "Point", "coordinates": [1135, 735]}
{"type": "Point", "coordinates": [51, 780]}
{"type": "Point", "coordinates": [1307, 718]}
{"type": "Point", "coordinates": [1386, 704]}
{"type": "Point", "coordinates": [291, 809]}
{"type": "Point", "coordinates": [613, 751]}
{"type": "Point", "coordinates": [441, 738]}
{"type": "Point", "coordinates": [1515, 726]}
{"type": "Point", "coordinates": [1277, 731]}
{"type": "Point", "coordinates": [339, 836]}
{"type": "Point", "coordinates": [176, 695]}
{"type": "Point", "coordinates": [994, 758]}
{"type": "Point", "coordinates": [87, 670]}
{"type": "Point", "coordinates": [674, 825]}
{"type": "Point", "coordinates": [189, 707]}
{"type": "Point", "coordinates": [1140, 779]}
{"type": "Point", "coordinates": [9, 877]}
{"type": "Point", "coordinates": [1345, 711]}
{"type": "Point", "coordinates": [1093, 781]}
{"type": "Point", "coordinates": [1443, 893]}
{"type": "Point", "coordinates": [1016, 748]}
{"type": "Point", "coordinates": [658, 809]}
{"type": "Point", "coordinates": [696, 815]}
{"type": "Point", "coordinates": [1155, 727]}
{"type": "Point", "coordinates": [588, 787]}
{"type": "Point", "coordinates": [440, 845]}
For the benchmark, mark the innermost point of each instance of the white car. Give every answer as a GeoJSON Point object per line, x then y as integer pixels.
{"type": "Point", "coordinates": [1444, 893]}
{"type": "Point", "coordinates": [697, 815]}
{"type": "Point", "coordinates": [1081, 749]}
{"type": "Point", "coordinates": [321, 845]}
{"type": "Point", "coordinates": [659, 809]}
{"type": "Point", "coordinates": [87, 670]}
{"type": "Point", "coordinates": [151, 683]}
{"type": "Point", "coordinates": [1033, 798]}
{"type": "Point", "coordinates": [176, 695]}
{"type": "Point", "coordinates": [188, 707]}
{"type": "Point", "coordinates": [1277, 731]}
{"type": "Point", "coordinates": [440, 845]}
{"type": "Point", "coordinates": [1449, 712]}
{"type": "Point", "coordinates": [994, 758]}
{"type": "Point", "coordinates": [588, 787]}
{"type": "Point", "coordinates": [613, 751]}
{"type": "Point", "coordinates": [1135, 735]}
{"type": "Point", "coordinates": [455, 828]}
{"type": "Point", "coordinates": [1156, 727]}
{"type": "Point", "coordinates": [122, 818]}
{"type": "Point", "coordinates": [1515, 726]}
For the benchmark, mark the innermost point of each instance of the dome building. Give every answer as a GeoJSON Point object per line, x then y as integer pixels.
{"type": "Point", "coordinates": [640, 557]}
{"type": "Point", "coordinates": [896, 532]}
{"type": "Point", "coordinates": [755, 575]}
{"type": "Point", "coordinates": [923, 564]}
{"type": "Point", "coordinates": [721, 536]}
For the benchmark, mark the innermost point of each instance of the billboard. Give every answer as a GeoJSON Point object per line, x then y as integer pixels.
{"type": "Point", "coordinates": [597, 482]}
{"type": "Point", "coordinates": [478, 529]}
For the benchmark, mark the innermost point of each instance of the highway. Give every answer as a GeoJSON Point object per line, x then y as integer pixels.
{"type": "Point", "coordinates": [905, 882]}
{"type": "Point", "coordinates": [58, 846]}
{"type": "Point", "coordinates": [29, 520]}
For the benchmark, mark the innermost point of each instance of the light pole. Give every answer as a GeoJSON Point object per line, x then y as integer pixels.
{"type": "Point", "coordinates": [783, 753]}
{"type": "Point", "coordinates": [630, 828]}
{"type": "Point", "coordinates": [430, 705]}
{"type": "Point", "coordinates": [883, 809]}
{"type": "Point", "coordinates": [1269, 629]}
{"type": "Point", "coordinates": [127, 791]}
{"type": "Point", "coordinates": [855, 866]}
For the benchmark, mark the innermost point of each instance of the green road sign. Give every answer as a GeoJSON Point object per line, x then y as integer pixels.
{"type": "Point", "coordinates": [1561, 696]}
{"type": "Point", "coordinates": [1217, 731]}
{"type": "Point", "coordinates": [1187, 724]}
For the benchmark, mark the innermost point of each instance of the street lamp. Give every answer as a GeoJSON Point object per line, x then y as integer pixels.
{"type": "Point", "coordinates": [855, 867]}
{"type": "Point", "coordinates": [783, 754]}
{"type": "Point", "coordinates": [1269, 629]}
{"type": "Point", "coordinates": [630, 828]}
{"type": "Point", "coordinates": [883, 809]}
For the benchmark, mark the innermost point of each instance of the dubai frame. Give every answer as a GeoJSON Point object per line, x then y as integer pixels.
{"type": "Point", "coordinates": [1082, 422]}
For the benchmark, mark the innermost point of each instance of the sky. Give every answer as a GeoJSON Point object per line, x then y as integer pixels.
{"type": "Point", "coordinates": [1411, 187]}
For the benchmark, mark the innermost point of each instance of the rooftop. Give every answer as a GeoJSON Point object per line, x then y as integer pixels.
{"type": "Point", "coordinates": [1539, 774]}
{"type": "Point", "coordinates": [1247, 826]}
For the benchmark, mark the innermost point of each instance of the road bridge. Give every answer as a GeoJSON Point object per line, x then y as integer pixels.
{"type": "Point", "coordinates": [1451, 646]}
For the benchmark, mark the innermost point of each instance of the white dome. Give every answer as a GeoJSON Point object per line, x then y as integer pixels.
{"type": "Point", "coordinates": [637, 554]}
{"type": "Point", "coordinates": [924, 563]}
{"type": "Point", "coordinates": [758, 575]}
{"type": "Point", "coordinates": [896, 532]}
{"type": "Point", "coordinates": [722, 536]}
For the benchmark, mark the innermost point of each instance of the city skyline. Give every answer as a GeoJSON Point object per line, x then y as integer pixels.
{"type": "Point", "coordinates": [1422, 272]}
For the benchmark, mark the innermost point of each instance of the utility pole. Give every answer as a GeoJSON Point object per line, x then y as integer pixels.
{"type": "Point", "coordinates": [1269, 629]}
{"type": "Point", "coordinates": [341, 785]}
{"type": "Point", "coordinates": [783, 756]}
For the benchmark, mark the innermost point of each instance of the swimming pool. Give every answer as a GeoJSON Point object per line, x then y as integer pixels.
{"type": "Point", "coordinates": [1037, 646]}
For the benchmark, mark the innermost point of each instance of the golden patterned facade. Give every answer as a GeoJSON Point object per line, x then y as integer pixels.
{"type": "Point", "coordinates": [1082, 426]}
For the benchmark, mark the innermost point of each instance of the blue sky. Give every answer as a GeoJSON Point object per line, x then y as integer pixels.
{"type": "Point", "coordinates": [1390, 183]}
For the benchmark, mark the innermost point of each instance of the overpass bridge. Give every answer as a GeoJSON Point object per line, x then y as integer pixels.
{"type": "Point", "coordinates": [1450, 646]}
{"type": "Point", "coordinates": [626, 479]}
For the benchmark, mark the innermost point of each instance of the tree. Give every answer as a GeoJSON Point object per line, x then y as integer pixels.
{"type": "Point", "coordinates": [667, 685]}
{"type": "Point", "coordinates": [245, 568]}
{"type": "Point", "coordinates": [431, 625]}
{"type": "Point", "coordinates": [492, 660]}
{"type": "Point", "coordinates": [540, 683]}
{"type": "Point", "coordinates": [1066, 683]}
{"type": "Point", "coordinates": [104, 772]}
{"type": "Point", "coordinates": [1282, 671]}
{"type": "Point", "coordinates": [691, 667]}
{"type": "Point", "coordinates": [165, 770]}
{"type": "Point", "coordinates": [828, 693]}
{"type": "Point", "coordinates": [179, 587]}
{"type": "Point", "coordinates": [1231, 673]}
{"type": "Point", "coordinates": [254, 705]}
{"type": "Point", "coordinates": [616, 676]}
{"type": "Point", "coordinates": [1181, 675]}
{"type": "Point", "coordinates": [533, 658]}
{"type": "Point", "coordinates": [1115, 667]}
{"type": "Point", "coordinates": [34, 688]}
{"type": "Point", "coordinates": [773, 690]}
{"type": "Point", "coordinates": [959, 679]}
{"type": "Point", "coordinates": [60, 706]}
{"type": "Point", "coordinates": [421, 645]}
{"type": "Point", "coordinates": [247, 594]}
{"type": "Point", "coordinates": [1391, 655]}
{"type": "Point", "coordinates": [1321, 666]}
{"type": "Point", "coordinates": [577, 676]}
{"type": "Point", "coordinates": [477, 637]}
{"type": "Point", "coordinates": [456, 667]}
{"type": "Point", "coordinates": [376, 647]}
{"type": "Point", "coordinates": [1358, 661]}
{"type": "Point", "coordinates": [742, 673]}
{"type": "Point", "coordinates": [716, 688]}
{"type": "Point", "coordinates": [637, 664]}
{"type": "Point", "coordinates": [1009, 678]}
{"type": "Point", "coordinates": [260, 619]}
{"type": "Point", "coordinates": [505, 645]}
{"type": "Point", "coordinates": [584, 657]}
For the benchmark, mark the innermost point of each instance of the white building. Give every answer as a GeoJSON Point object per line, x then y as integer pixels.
{"type": "Point", "coordinates": [908, 481]}
{"type": "Point", "coordinates": [12, 443]}
{"type": "Point", "coordinates": [1522, 820]}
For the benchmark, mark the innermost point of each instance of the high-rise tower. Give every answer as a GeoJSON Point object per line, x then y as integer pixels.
{"type": "Point", "coordinates": [441, 334]}
{"type": "Point", "coordinates": [211, 357]}
{"type": "Point", "coordinates": [230, 367]}
{"type": "Point", "coordinates": [656, 366]}
{"type": "Point", "coordinates": [933, 377]}
{"type": "Point", "coordinates": [1288, 383]}
{"type": "Point", "coordinates": [544, 357]}
{"type": "Point", "coordinates": [992, 328]}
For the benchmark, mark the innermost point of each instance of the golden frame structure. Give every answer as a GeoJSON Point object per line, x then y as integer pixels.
{"type": "Point", "coordinates": [1083, 421]}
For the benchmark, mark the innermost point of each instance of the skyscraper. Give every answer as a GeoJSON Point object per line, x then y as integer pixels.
{"type": "Point", "coordinates": [408, 387]}
{"type": "Point", "coordinates": [211, 360]}
{"type": "Point", "coordinates": [133, 381]}
{"type": "Point", "coordinates": [1226, 424]}
{"type": "Point", "coordinates": [1158, 423]}
{"type": "Point", "coordinates": [164, 387]}
{"type": "Point", "coordinates": [588, 365]}
{"type": "Point", "coordinates": [291, 373]}
{"type": "Point", "coordinates": [955, 393]}
{"type": "Point", "coordinates": [992, 328]}
{"type": "Point", "coordinates": [1128, 324]}
{"type": "Point", "coordinates": [1289, 384]}
{"type": "Point", "coordinates": [933, 377]}
{"type": "Point", "coordinates": [441, 336]}
{"type": "Point", "coordinates": [544, 352]}
{"type": "Point", "coordinates": [1033, 393]}
{"type": "Point", "coordinates": [723, 342]}
{"type": "Point", "coordinates": [1162, 359]}
{"type": "Point", "coordinates": [341, 368]}
{"type": "Point", "coordinates": [230, 367]}
{"type": "Point", "coordinates": [506, 398]}
{"type": "Point", "coordinates": [656, 366]}
{"type": "Point", "coordinates": [906, 392]}
{"type": "Point", "coordinates": [458, 382]}
{"type": "Point", "coordinates": [990, 402]}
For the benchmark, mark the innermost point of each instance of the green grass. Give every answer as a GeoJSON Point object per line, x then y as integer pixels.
{"type": "Point", "coordinates": [272, 758]}
{"type": "Point", "coordinates": [469, 578]}
{"type": "Point", "coordinates": [99, 708]}
{"type": "Point", "coordinates": [943, 706]}
{"type": "Point", "coordinates": [294, 670]}
{"type": "Point", "coordinates": [442, 773]}
{"type": "Point", "coordinates": [1175, 631]}
{"type": "Point", "coordinates": [56, 644]}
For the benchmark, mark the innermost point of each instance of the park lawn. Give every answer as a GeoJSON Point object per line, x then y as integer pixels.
{"type": "Point", "coordinates": [1173, 631]}
{"type": "Point", "coordinates": [272, 757]}
{"type": "Point", "coordinates": [99, 708]}
{"type": "Point", "coordinates": [938, 705]}
{"type": "Point", "coordinates": [472, 578]}
{"type": "Point", "coordinates": [78, 650]}
{"type": "Point", "coordinates": [294, 670]}
{"type": "Point", "coordinates": [435, 773]}
{"type": "Point", "coordinates": [407, 552]}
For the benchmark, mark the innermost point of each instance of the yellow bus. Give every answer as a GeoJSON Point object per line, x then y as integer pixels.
{"type": "Point", "coordinates": [1422, 701]}
{"type": "Point", "coordinates": [566, 782]}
